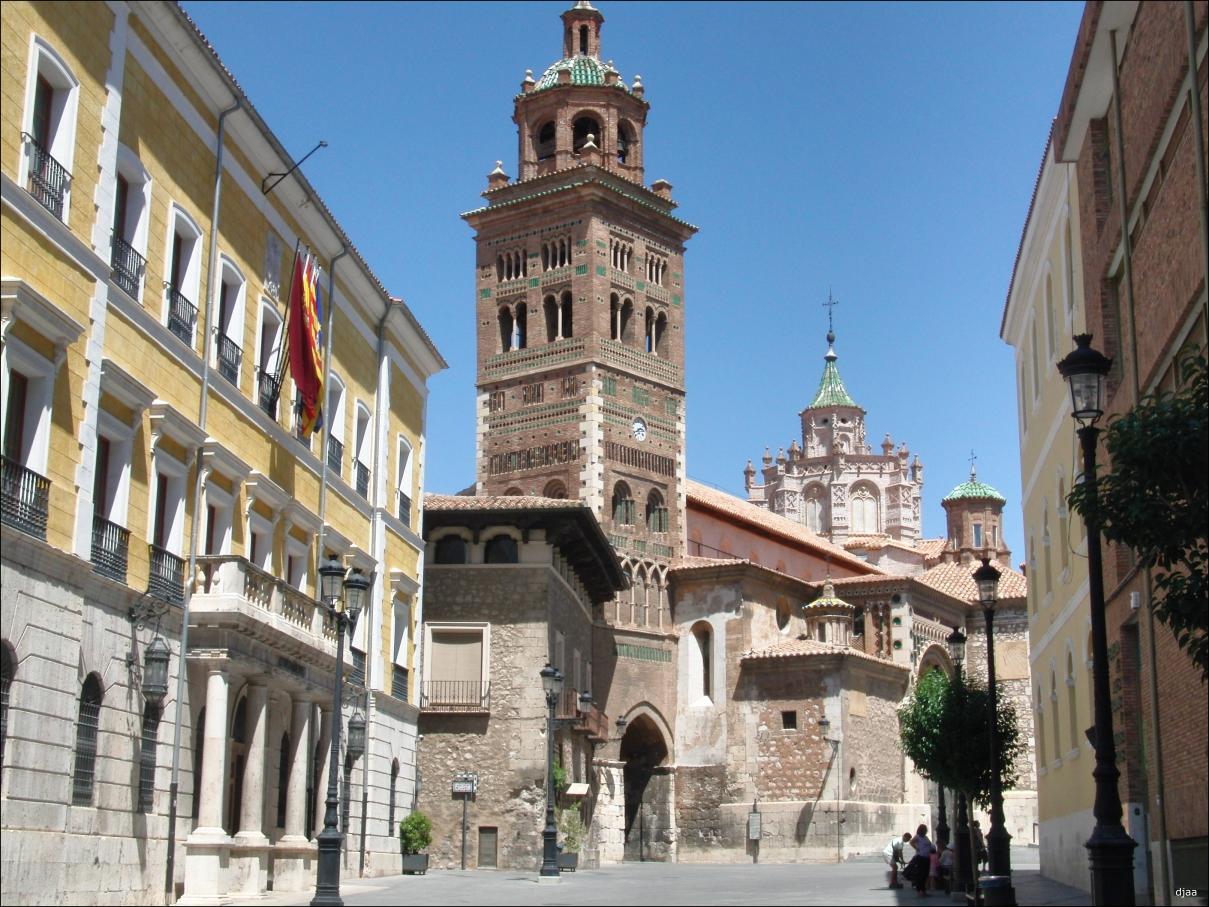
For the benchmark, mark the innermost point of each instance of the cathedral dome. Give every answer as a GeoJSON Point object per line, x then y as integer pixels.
{"type": "Point", "coordinates": [585, 70]}
{"type": "Point", "coordinates": [972, 489]}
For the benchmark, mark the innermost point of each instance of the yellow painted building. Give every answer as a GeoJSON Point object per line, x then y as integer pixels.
{"type": "Point", "coordinates": [152, 468]}
{"type": "Point", "coordinates": [1044, 309]}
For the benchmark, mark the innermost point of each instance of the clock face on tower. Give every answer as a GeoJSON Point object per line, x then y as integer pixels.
{"type": "Point", "coordinates": [639, 429]}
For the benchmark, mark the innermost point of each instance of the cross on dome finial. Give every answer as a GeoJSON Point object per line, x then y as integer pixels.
{"type": "Point", "coordinates": [973, 457]}
{"type": "Point", "coordinates": [831, 303]}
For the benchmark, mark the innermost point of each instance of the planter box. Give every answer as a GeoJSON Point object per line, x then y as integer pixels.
{"type": "Point", "coordinates": [415, 863]}
{"type": "Point", "coordinates": [568, 862]}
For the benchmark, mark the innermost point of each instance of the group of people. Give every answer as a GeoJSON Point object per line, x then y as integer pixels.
{"type": "Point", "coordinates": [931, 866]}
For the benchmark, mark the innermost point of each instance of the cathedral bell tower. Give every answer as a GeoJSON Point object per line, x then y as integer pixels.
{"type": "Point", "coordinates": [579, 304]}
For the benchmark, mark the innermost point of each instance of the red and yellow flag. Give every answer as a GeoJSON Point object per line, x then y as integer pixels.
{"type": "Point", "coordinates": [306, 342]}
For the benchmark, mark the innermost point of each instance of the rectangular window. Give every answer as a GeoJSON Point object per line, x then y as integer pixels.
{"type": "Point", "coordinates": [120, 203]}
{"type": "Point", "coordinates": [40, 124]}
{"type": "Point", "coordinates": [496, 402]}
{"type": "Point", "coordinates": [789, 721]}
{"type": "Point", "coordinates": [456, 666]}
{"type": "Point", "coordinates": [531, 393]}
{"type": "Point", "coordinates": [609, 386]}
{"type": "Point", "coordinates": [151, 724]}
{"type": "Point", "coordinates": [978, 535]}
{"type": "Point", "coordinates": [14, 425]}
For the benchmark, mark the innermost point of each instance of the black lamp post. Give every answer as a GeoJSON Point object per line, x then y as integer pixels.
{"type": "Point", "coordinates": [999, 842]}
{"type": "Point", "coordinates": [552, 683]}
{"type": "Point", "coordinates": [1110, 848]}
{"type": "Point", "coordinates": [963, 869]}
{"type": "Point", "coordinates": [345, 596]}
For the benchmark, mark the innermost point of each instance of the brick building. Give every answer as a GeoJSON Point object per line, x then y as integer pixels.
{"type": "Point", "coordinates": [152, 464]}
{"type": "Point", "coordinates": [1131, 126]}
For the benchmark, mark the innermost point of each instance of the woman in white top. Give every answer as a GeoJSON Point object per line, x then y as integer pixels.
{"type": "Point", "coordinates": [920, 866]}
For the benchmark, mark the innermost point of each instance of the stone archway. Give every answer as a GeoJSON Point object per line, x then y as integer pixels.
{"type": "Point", "coordinates": [648, 789]}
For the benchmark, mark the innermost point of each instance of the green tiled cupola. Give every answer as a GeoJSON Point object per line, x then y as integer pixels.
{"type": "Point", "coordinates": [584, 71]}
{"type": "Point", "coordinates": [973, 489]}
{"type": "Point", "coordinates": [831, 390]}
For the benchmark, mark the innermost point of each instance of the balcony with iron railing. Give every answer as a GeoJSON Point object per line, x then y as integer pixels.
{"type": "Point", "coordinates": [455, 696]}
{"type": "Point", "coordinates": [268, 391]}
{"type": "Point", "coordinates": [24, 498]}
{"type": "Point", "coordinates": [335, 454]}
{"type": "Point", "coordinates": [361, 474]}
{"type": "Point", "coordinates": [568, 705]}
{"type": "Point", "coordinates": [128, 267]}
{"type": "Point", "coordinates": [166, 579]}
{"type": "Point", "coordinates": [234, 593]}
{"type": "Point", "coordinates": [110, 548]}
{"type": "Point", "coordinates": [48, 179]}
{"type": "Point", "coordinates": [182, 314]}
{"type": "Point", "coordinates": [229, 358]}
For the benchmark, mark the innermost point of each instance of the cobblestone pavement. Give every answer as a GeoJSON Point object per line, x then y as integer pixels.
{"type": "Point", "coordinates": [860, 881]}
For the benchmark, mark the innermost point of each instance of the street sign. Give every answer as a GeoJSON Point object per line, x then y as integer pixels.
{"type": "Point", "coordinates": [465, 783]}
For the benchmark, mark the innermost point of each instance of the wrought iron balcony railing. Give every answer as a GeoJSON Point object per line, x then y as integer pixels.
{"type": "Point", "coordinates": [48, 179]}
{"type": "Point", "coordinates": [128, 267]}
{"type": "Point", "coordinates": [229, 358]}
{"type": "Point", "coordinates": [182, 314]}
{"type": "Point", "coordinates": [456, 696]}
{"type": "Point", "coordinates": [110, 547]}
{"type": "Point", "coordinates": [269, 390]}
{"type": "Point", "coordinates": [361, 471]}
{"type": "Point", "coordinates": [24, 498]}
{"type": "Point", "coordinates": [167, 576]}
{"type": "Point", "coordinates": [335, 454]}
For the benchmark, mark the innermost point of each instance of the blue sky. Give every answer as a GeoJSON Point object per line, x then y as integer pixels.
{"type": "Point", "coordinates": [885, 152]}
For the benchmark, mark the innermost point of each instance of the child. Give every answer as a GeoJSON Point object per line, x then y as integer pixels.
{"type": "Point", "coordinates": [946, 868]}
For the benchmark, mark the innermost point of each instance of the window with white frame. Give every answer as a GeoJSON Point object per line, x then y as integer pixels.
{"type": "Point", "coordinates": [401, 631]}
{"type": "Point", "coordinates": [220, 507]}
{"type": "Point", "coordinates": [168, 503]}
{"type": "Point", "coordinates": [404, 485]}
{"type": "Point", "coordinates": [131, 215]}
{"type": "Point", "coordinates": [110, 497]}
{"type": "Point", "coordinates": [29, 388]}
{"type": "Point", "coordinates": [48, 128]}
{"type": "Point", "coordinates": [334, 410]}
{"type": "Point", "coordinates": [269, 335]}
{"type": "Point", "coordinates": [295, 563]}
{"type": "Point", "coordinates": [182, 275]}
{"type": "Point", "coordinates": [260, 542]}
{"type": "Point", "coordinates": [228, 327]}
{"type": "Point", "coordinates": [362, 453]}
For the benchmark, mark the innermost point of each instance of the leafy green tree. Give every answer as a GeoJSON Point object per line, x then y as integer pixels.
{"type": "Point", "coordinates": [921, 725]}
{"type": "Point", "coordinates": [1155, 500]}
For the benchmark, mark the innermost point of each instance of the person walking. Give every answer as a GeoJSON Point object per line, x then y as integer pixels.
{"type": "Point", "coordinates": [920, 867]}
{"type": "Point", "coordinates": [980, 847]}
{"type": "Point", "coordinates": [894, 856]}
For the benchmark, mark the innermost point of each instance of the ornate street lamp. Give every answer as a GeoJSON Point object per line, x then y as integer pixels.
{"type": "Point", "coordinates": [963, 869]}
{"type": "Point", "coordinates": [552, 684]}
{"type": "Point", "coordinates": [345, 597]}
{"type": "Point", "coordinates": [155, 671]}
{"type": "Point", "coordinates": [999, 842]}
{"type": "Point", "coordinates": [1109, 848]}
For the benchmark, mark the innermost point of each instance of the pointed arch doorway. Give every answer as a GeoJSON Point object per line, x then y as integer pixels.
{"type": "Point", "coordinates": [648, 787]}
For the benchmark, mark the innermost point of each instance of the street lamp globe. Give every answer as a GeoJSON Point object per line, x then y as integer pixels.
{"type": "Point", "coordinates": [987, 578]}
{"type": "Point", "coordinates": [356, 735]}
{"type": "Point", "coordinates": [552, 680]}
{"type": "Point", "coordinates": [155, 671]}
{"type": "Point", "coordinates": [1085, 370]}
{"type": "Point", "coordinates": [331, 575]}
{"type": "Point", "coordinates": [356, 587]}
{"type": "Point", "coordinates": [957, 645]}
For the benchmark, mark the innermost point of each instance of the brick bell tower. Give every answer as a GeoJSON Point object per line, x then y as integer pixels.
{"type": "Point", "coordinates": [579, 302]}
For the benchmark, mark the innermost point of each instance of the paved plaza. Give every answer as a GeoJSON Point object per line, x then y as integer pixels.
{"type": "Point", "coordinates": [860, 881]}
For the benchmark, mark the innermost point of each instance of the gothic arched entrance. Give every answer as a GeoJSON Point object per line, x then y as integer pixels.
{"type": "Point", "coordinates": [647, 791]}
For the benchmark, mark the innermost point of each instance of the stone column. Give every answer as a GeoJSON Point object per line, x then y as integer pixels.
{"type": "Point", "coordinates": [295, 804]}
{"type": "Point", "coordinates": [325, 749]}
{"type": "Point", "coordinates": [207, 847]}
{"type": "Point", "coordinates": [250, 853]}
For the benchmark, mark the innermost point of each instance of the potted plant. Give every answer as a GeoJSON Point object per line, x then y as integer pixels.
{"type": "Point", "coordinates": [571, 834]}
{"type": "Point", "coordinates": [415, 834]}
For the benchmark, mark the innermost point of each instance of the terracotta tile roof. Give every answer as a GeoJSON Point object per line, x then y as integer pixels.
{"type": "Point", "coordinates": [957, 580]}
{"type": "Point", "coordinates": [931, 548]}
{"type": "Point", "coordinates": [846, 582]}
{"type": "Point", "coordinates": [445, 502]}
{"type": "Point", "coordinates": [810, 648]}
{"type": "Point", "coordinates": [690, 562]}
{"type": "Point", "coordinates": [764, 522]}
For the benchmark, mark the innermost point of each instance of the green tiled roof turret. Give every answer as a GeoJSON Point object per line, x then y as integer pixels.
{"type": "Point", "coordinates": [972, 488]}
{"type": "Point", "coordinates": [584, 71]}
{"type": "Point", "coordinates": [831, 390]}
{"type": "Point", "coordinates": [828, 599]}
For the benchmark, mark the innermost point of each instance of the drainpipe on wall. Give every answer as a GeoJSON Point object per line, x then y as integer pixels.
{"type": "Point", "coordinates": [198, 491]}
{"type": "Point", "coordinates": [375, 521]}
{"type": "Point", "coordinates": [1159, 875]}
{"type": "Point", "coordinates": [1197, 124]}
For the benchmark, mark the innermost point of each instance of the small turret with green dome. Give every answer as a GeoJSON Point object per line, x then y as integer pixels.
{"type": "Point", "coordinates": [975, 516]}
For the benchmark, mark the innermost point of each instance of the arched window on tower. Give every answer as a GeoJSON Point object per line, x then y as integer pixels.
{"type": "Point", "coordinates": [565, 313]}
{"type": "Point", "coordinates": [614, 317]}
{"type": "Point", "coordinates": [815, 508]}
{"type": "Point", "coordinates": [660, 331]}
{"type": "Point", "coordinates": [649, 330]}
{"type": "Point", "coordinates": [582, 128]}
{"type": "Point", "coordinates": [656, 513]}
{"type": "Point", "coordinates": [520, 334]}
{"type": "Point", "coordinates": [625, 329]}
{"type": "Point", "coordinates": [550, 310]}
{"type": "Point", "coordinates": [500, 550]}
{"type": "Point", "coordinates": [545, 141]}
{"type": "Point", "coordinates": [625, 138]}
{"type": "Point", "coordinates": [555, 489]}
{"type": "Point", "coordinates": [704, 638]}
{"type": "Point", "coordinates": [623, 505]}
{"type": "Point", "coordinates": [506, 328]}
{"type": "Point", "coordinates": [583, 40]}
{"type": "Point", "coordinates": [862, 511]}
